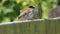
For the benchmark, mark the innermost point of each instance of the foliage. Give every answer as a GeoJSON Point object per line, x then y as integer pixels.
{"type": "Point", "coordinates": [9, 9]}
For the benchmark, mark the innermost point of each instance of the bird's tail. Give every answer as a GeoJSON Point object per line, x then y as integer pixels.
{"type": "Point", "coordinates": [19, 17]}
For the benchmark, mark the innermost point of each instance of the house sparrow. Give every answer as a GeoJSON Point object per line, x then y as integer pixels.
{"type": "Point", "coordinates": [28, 13]}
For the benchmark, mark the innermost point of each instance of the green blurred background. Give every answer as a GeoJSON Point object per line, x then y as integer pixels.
{"type": "Point", "coordinates": [10, 9]}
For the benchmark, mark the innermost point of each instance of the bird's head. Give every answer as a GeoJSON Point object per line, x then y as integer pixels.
{"type": "Point", "coordinates": [31, 7]}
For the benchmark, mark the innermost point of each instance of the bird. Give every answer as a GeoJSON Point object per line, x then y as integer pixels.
{"type": "Point", "coordinates": [27, 14]}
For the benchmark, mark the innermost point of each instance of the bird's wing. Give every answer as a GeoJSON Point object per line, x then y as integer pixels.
{"type": "Point", "coordinates": [24, 12]}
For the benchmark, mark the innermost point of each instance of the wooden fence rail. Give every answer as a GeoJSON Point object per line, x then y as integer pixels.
{"type": "Point", "coordinates": [38, 26]}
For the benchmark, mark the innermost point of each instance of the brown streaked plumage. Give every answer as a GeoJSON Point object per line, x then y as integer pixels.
{"type": "Point", "coordinates": [27, 13]}
{"type": "Point", "coordinates": [24, 12]}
